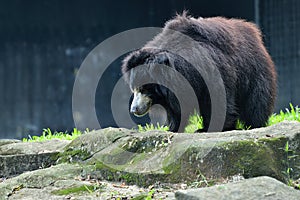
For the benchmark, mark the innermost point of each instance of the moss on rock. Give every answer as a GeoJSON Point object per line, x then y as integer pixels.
{"type": "Point", "coordinates": [76, 190]}
{"type": "Point", "coordinates": [251, 159]}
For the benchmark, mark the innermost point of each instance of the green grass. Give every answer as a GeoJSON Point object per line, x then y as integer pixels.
{"type": "Point", "coordinates": [48, 135]}
{"type": "Point", "coordinates": [79, 189]}
{"type": "Point", "coordinates": [195, 123]}
{"type": "Point", "coordinates": [291, 114]}
{"type": "Point", "coordinates": [150, 127]}
{"type": "Point", "coordinates": [290, 157]}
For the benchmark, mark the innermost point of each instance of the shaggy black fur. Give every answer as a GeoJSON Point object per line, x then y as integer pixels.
{"type": "Point", "coordinates": [234, 47]}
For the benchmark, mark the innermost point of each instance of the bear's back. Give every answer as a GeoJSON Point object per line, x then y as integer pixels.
{"type": "Point", "coordinates": [221, 33]}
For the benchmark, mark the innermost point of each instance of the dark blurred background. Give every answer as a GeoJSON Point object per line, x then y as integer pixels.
{"type": "Point", "coordinates": [43, 42]}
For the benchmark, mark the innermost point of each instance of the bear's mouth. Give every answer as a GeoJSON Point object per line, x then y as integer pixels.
{"type": "Point", "coordinates": [140, 111]}
{"type": "Point", "coordinates": [141, 114]}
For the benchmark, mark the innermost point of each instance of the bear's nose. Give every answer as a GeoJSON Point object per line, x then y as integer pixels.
{"type": "Point", "coordinates": [134, 109]}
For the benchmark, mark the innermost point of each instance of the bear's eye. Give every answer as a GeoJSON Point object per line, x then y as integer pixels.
{"type": "Point", "coordinates": [142, 90]}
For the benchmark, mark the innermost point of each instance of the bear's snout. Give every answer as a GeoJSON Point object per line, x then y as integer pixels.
{"type": "Point", "coordinates": [140, 105]}
{"type": "Point", "coordinates": [139, 111]}
{"type": "Point", "coordinates": [134, 110]}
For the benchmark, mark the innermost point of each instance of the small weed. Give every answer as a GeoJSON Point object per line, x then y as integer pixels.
{"type": "Point", "coordinates": [289, 156]}
{"type": "Point", "coordinates": [195, 123]}
{"type": "Point", "coordinates": [80, 189]}
{"type": "Point", "coordinates": [150, 127]}
{"type": "Point", "coordinates": [201, 182]}
{"type": "Point", "coordinates": [150, 195]}
{"type": "Point", "coordinates": [241, 125]}
{"type": "Point", "coordinates": [292, 114]}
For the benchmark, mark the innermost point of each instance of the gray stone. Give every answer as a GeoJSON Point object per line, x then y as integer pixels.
{"type": "Point", "coordinates": [8, 141]}
{"type": "Point", "coordinates": [18, 157]}
{"type": "Point", "coordinates": [64, 181]}
{"type": "Point", "coordinates": [47, 146]}
{"type": "Point", "coordinates": [90, 143]}
{"type": "Point", "coordinates": [30, 184]}
{"type": "Point", "coordinates": [95, 141]}
{"type": "Point", "coordinates": [254, 188]}
{"type": "Point", "coordinates": [149, 158]}
{"type": "Point", "coordinates": [178, 157]}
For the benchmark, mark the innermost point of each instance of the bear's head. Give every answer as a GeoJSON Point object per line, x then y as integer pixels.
{"type": "Point", "coordinates": [137, 71]}
{"type": "Point", "coordinates": [143, 71]}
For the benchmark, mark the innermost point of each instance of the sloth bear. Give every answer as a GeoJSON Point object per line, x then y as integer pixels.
{"type": "Point", "coordinates": [231, 47]}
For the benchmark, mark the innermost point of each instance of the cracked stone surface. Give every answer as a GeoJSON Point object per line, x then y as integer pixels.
{"type": "Point", "coordinates": [256, 188]}
{"type": "Point", "coordinates": [17, 157]}
{"type": "Point", "coordinates": [121, 163]}
{"type": "Point", "coordinates": [53, 182]}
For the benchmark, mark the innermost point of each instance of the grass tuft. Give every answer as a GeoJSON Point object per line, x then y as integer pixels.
{"type": "Point", "coordinates": [150, 127]}
{"type": "Point", "coordinates": [291, 114]}
{"type": "Point", "coordinates": [48, 135]}
{"type": "Point", "coordinates": [195, 123]}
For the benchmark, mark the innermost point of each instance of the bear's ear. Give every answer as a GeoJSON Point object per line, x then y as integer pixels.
{"type": "Point", "coordinates": [161, 58]}
{"type": "Point", "coordinates": [144, 56]}
{"type": "Point", "coordinates": [136, 58]}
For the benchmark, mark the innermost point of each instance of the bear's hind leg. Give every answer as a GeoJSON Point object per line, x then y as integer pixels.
{"type": "Point", "coordinates": [257, 109]}
{"type": "Point", "coordinates": [230, 123]}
